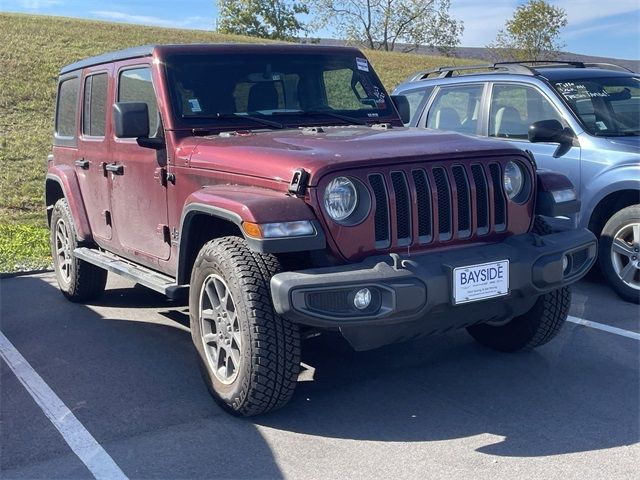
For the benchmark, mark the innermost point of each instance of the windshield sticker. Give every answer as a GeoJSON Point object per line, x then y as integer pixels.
{"type": "Point", "coordinates": [194, 105]}
{"type": "Point", "coordinates": [362, 64]}
{"type": "Point", "coordinates": [601, 126]}
{"type": "Point", "coordinates": [574, 91]}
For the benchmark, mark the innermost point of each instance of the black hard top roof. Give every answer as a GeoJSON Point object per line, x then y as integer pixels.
{"type": "Point", "coordinates": [149, 50]}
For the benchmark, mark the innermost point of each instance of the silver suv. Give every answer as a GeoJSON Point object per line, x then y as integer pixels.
{"type": "Point", "coordinates": [580, 119]}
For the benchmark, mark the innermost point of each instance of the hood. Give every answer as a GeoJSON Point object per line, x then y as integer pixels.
{"type": "Point", "coordinates": [627, 144]}
{"type": "Point", "coordinates": [276, 154]}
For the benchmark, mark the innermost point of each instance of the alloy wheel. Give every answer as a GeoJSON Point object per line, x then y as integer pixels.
{"type": "Point", "coordinates": [220, 329]}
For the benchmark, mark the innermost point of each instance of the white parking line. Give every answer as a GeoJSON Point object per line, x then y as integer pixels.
{"type": "Point", "coordinates": [88, 450]}
{"type": "Point", "coordinates": [603, 327]}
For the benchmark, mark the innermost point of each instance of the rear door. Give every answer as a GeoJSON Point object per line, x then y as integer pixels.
{"type": "Point", "coordinates": [138, 191]}
{"type": "Point", "coordinates": [95, 151]}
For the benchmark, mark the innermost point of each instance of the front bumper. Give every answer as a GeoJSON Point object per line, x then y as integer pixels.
{"type": "Point", "coordinates": [412, 294]}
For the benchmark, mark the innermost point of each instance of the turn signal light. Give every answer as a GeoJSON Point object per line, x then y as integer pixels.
{"type": "Point", "coordinates": [252, 229]}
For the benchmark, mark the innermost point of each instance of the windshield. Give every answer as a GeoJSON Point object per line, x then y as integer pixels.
{"type": "Point", "coordinates": [226, 90]}
{"type": "Point", "coordinates": [608, 107]}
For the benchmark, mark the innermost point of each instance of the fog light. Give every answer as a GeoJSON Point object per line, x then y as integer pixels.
{"type": "Point", "coordinates": [362, 299]}
{"type": "Point", "coordinates": [565, 263]}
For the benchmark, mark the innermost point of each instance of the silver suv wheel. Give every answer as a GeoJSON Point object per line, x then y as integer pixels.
{"type": "Point", "coordinates": [625, 254]}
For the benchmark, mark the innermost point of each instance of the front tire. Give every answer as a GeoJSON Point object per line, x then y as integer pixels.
{"type": "Point", "coordinates": [619, 253]}
{"type": "Point", "coordinates": [536, 327]}
{"type": "Point", "coordinates": [79, 281]}
{"type": "Point", "coordinates": [249, 356]}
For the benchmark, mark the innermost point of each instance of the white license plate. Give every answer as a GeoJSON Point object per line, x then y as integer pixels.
{"type": "Point", "coordinates": [478, 282]}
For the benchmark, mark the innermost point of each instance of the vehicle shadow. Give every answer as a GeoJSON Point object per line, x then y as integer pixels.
{"type": "Point", "coordinates": [132, 382]}
{"type": "Point", "coordinates": [572, 395]}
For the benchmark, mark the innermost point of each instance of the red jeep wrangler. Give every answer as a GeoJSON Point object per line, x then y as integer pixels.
{"type": "Point", "coordinates": [276, 186]}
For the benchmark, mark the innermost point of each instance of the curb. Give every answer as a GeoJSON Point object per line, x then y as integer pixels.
{"type": "Point", "coordinates": [24, 273]}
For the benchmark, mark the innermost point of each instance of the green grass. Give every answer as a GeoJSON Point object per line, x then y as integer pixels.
{"type": "Point", "coordinates": [24, 247]}
{"type": "Point", "coordinates": [32, 50]}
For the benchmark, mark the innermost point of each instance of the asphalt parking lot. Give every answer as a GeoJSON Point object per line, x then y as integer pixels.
{"type": "Point", "coordinates": [439, 407]}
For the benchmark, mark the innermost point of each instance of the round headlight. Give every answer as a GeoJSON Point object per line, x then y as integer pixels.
{"type": "Point", "coordinates": [340, 198]}
{"type": "Point", "coordinates": [513, 180]}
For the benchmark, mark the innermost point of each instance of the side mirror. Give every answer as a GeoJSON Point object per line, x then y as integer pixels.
{"type": "Point", "coordinates": [402, 105]}
{"type": "Point", "coordinates": [131, 119]}
{"type": "Point", "coordinates": [550, 131]}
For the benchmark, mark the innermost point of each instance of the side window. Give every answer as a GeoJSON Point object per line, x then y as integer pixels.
{"type": "Point", "coordinates": [415, 99]}
{"type": "Point", "coordinates": [456, 108]}
{"type": "Point", "coordinates": [341, 93]}
{"type": "Point", "coordinates": [135, 85]}
{"type": "Point", "coordinates": [67, 108]}
{"type": "Point", "coordinates": [515, 107]}
{"type": "Point", "coordinates": [95, 105]}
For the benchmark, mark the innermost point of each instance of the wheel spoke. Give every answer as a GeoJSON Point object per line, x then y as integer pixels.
{"type": "Point", "coordinates": [234, 356]}
{"type": "Point", "coordinates": [621, 247]}
{"type": "Point", "coordinates": [208, 315]}
{"type": "Point", "coordinates": [221, 291]}
{"type": "Point", "coordinates": [636, 234]}
{"type": "Point", "coordinates": [628, 271]}
{"type": "Point", "coordinates": [212, 295]}
{"type": "Point", "coordinates": [208, 338]}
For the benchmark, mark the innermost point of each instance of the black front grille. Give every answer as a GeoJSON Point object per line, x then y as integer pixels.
{"type": "Point", "coordinates": [464, 202]}
{"type": "Point", "coordinates": [498, 198]}
{"type": "Point", "coordinates": [423, 197]}
{"type": "Point", "coordinates": [381, 219]}
{"type": "Point", "coordinates": [421, 191]}
{"type": "Point", "coordinates": [403, 208]}
{"type": "Point", "coordinates": [444, 203]}
{"type": "Point", "coordinates": [482, 199]}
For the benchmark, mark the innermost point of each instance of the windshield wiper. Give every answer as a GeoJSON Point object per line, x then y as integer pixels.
{"type": "Point", "coordinates": [227, 116]}
{"type": "Point", "coordinates": [627, 133]}
{"type": "Point", "coordinates": [339, 116]}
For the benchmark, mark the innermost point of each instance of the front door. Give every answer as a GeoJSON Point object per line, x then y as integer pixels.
{"type": "Point", "coordinates": [513, 108]}
{"type": "Point", "coordinates": [138, 193]}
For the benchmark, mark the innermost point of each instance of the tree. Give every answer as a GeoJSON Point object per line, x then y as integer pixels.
{"type": "Point", "coordinates": [533, 33]}
{"type": "Point", "coordinates": [384, 24]}
{"type": "Point", "coordinates": [275, 19]}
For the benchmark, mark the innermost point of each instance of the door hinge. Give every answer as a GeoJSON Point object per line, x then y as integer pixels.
{"type": "Point", "coordinates": [164, 232]}
{"type": "Point", "coordinates": [164, 177]}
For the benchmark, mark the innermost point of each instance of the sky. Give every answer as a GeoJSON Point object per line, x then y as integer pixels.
{"type": "Point", "coordinates": [595, 27]}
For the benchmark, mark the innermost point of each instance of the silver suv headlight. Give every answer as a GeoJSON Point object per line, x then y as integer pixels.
{"type": "Point", "coordinates": [513, 180]}
{"type": "Point", "coordinates": [340, 198]}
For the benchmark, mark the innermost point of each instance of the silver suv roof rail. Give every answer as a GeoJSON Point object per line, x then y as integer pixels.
{"type": "Point", "coordinates": [522, 68]}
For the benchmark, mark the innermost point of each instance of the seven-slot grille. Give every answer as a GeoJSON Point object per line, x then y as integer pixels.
{"type": "Point", "coordinates": [440, 200]}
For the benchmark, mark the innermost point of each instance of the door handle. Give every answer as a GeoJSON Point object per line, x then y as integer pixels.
{"type": "Point", "coordinates": [115, 168]}
{"type": "Point", "coordinates": [82, 163]}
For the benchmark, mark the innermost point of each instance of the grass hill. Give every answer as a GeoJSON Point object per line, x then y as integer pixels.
{"type": "Point", "coordinates": [32, 50]}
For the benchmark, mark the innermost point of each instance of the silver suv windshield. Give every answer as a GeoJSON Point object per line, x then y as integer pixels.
{"type": "Point", "coordinates": [286, 89]}
{"type": "Point", "coordinates": [607, 107]}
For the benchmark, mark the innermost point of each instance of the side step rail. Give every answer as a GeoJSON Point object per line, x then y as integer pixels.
{"type": "Point", "coordinates": [144, 276]}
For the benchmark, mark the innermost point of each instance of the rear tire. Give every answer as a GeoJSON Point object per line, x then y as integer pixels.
{"type": "Point", "coordinates": [249, 356]}
{"type": "Point", "coordinates": [619, 253]}
{"type": "Point", "coordinates": [79, 281]}
{"type": "Point", "coordinates": [536, 327]}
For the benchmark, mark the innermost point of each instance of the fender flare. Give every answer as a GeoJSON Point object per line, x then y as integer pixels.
{"type": "Point", "coordinates": [66, 178]}
{"type": "Point", "coordinates": [237, 204]}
